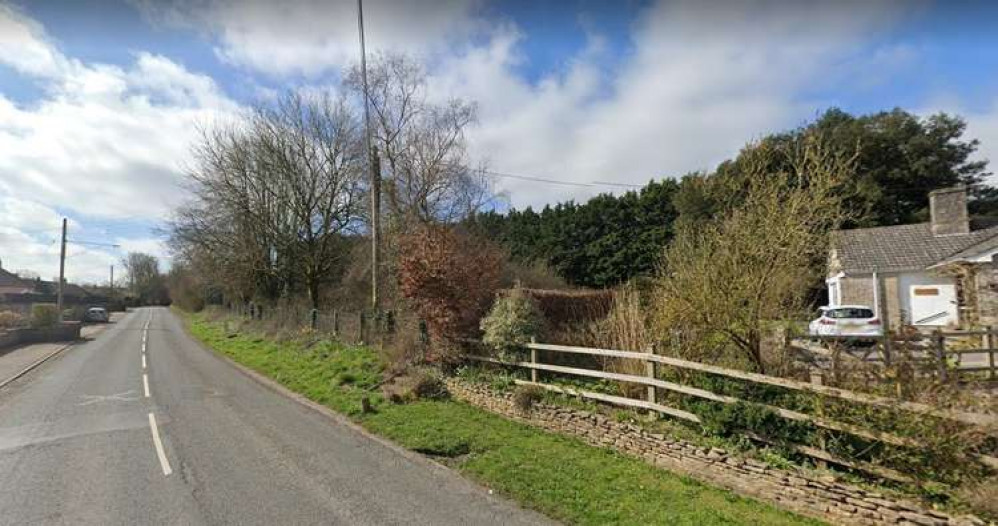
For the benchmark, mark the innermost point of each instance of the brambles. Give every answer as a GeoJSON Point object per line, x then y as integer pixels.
{"type": "Point", "coordinates": [526, 396]}
{"type": "Point", "coordinates": [416, 384]}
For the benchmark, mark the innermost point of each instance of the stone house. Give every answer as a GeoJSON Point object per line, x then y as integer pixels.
{"type": "Point", "coordinates": [935, 274]}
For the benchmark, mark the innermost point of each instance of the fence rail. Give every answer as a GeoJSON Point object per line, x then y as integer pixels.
{"type": "Point", "coordinates": [936, 346]}
{"type": "Point", "coordinates": [655, 384]}
{"type": "Point", "coordinates": [353, 326]}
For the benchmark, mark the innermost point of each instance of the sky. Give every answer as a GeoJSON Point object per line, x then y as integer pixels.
{"type": "Point", "coordinates": [100, 101]}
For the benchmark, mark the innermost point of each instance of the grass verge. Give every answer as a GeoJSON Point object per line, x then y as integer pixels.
{"type": "Point", "coordinates": [558, 476]}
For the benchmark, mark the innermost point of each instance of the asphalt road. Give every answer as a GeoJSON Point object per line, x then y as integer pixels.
{"type": "Point", "coordinates": [82, 441]}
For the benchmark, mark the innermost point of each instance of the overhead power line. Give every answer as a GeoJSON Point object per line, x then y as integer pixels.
{"type": "Point", "coordinates": [555, 181]}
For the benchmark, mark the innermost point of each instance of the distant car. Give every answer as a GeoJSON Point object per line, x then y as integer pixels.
{"type": "Point", "coordinates": [857, 321]}
{"type": "Point", "coordinates": [96, 315]}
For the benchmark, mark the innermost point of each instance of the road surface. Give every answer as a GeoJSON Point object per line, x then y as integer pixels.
{"type": "Point", "coordinates": [93, 437]}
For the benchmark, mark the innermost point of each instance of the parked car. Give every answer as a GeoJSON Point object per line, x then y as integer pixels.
{"type": "Point", "coordinates": [858, 321]}
{"type": "Point", "coordinates": [96, 315]}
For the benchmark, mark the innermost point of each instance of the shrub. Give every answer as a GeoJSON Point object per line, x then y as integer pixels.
{"type": "Point", "coordinates": [10, 319]}
{"type": "Point", "coordinates": [416, 384]}
{"type": "Point", "coordinates": [513, 320]}
{"type": "Point", "coordinates": [526, 396]}
{"type": "Point", "coordinates": [982, 497]}
{"type": "Point", "coordinates": [449, 278]}
{"type": "Point", "coordinates": [624, 328]}
{"type": "Point", "coordinates": [44, 315]}
{"type": "Point", "coordinates": [562, 308]}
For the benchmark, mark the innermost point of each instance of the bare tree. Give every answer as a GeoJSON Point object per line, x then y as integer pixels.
{"type": "Point", "coordinates": [724, 283]}
{"type": "Point", "coordinates": [274, 196]}
{"type": "Point", "coordinates": [421, 145]}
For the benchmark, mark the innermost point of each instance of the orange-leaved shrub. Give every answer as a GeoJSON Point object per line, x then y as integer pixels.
{"type": "Point", "coordinates": [449, 277]}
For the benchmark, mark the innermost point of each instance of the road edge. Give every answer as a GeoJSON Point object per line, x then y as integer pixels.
{"type": "Point", "coordinates": [28, 369]}
{"type": "Point", "coordinates": [276, 387]}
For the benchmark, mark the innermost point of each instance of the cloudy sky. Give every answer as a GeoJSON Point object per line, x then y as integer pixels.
{"type": "Point", "coordinates": [99, 100]}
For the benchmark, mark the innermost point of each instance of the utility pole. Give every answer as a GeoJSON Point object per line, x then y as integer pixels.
{"type": "Point", "coordinates": [111, 294]}
{"type": "Point", "coordinates": [62, 269]}
{"type": "Point", "coordinates": [375, 174]}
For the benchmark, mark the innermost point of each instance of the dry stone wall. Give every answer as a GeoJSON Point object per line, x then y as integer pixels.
{"type": "Point", "coordinates": [822, 497]}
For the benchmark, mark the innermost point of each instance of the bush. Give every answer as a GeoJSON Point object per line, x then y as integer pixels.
{"type": "Point", "coordinates": [982, 497]}
{"type": "Point", "coordinates": [449, 278]}
{"type": "Point", "coordinates": [417, 384]}
{"type": "Point", "coordinates": [512, 322]}
{"type": "Point", "coordinates": [526, 396]}
{"type": "Point", "coordinates": [9, 319]}
{"type": "Point", "coordinates": [44, 315]}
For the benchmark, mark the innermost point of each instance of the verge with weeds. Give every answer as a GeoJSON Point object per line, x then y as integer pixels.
{"type": "Point", "coordinates": [558, 476]}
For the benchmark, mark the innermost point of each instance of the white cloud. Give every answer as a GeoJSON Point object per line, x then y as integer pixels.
{"type": "Point", "coordinates": [703, 78]}
{"type": "Point", "coordinates": [101, 141]}
{"type": "Point", "coordinates": [310, 37]}
{"type": "Point", "coordinates": [701, 83]}
{"type": "Point", "coordinates": [23, 46]}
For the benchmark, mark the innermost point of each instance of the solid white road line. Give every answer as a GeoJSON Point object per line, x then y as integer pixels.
{"type": "Point", "coordinates": [163, 462]}
{"type": "Point", "coordinates": [145, 384]}
{"type": "Point", "coordinates": [143, 361]}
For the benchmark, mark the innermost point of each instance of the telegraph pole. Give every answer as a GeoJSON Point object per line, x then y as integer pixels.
{"type": "Point", "coordinates": [111, 294]}
{"type": "Point", "coordinates": [62, 269]}
{"type": "Point", "coordinates": [375, 174]}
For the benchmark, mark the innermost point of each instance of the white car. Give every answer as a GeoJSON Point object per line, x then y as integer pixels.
{"type": "Point", "coordinates": [96, 314]}
{"type": "Point", "coordinates": [857, 321]}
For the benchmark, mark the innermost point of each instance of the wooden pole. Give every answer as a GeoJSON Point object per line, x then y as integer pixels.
{"type": "Point", "coordinates": [651, 370]}
{"type": "Point", "coordinates": [989, 340]}
{"type": "Point", "coordinates": [885, 317]}
{"type": "Point", "coordinates": [940, 350]}
{"type": "Point", "coordinates": [533, 360]}
{"type": "Point", "coordinates": [62, 270]}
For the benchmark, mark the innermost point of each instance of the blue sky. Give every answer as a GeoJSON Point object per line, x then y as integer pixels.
{"type": "Point", "coordinates": [99, 101]}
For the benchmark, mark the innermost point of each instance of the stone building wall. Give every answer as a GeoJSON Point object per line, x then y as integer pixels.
{"type": "Point", "coordinates": [857, 290]}
{"type": "Point", "coordinates": [822, 497]}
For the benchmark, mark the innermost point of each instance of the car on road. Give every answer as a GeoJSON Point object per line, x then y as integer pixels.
{"type": "Point", "coordinates": [96, 315]}
{"type": "Point", "coordinates": [858, 321]}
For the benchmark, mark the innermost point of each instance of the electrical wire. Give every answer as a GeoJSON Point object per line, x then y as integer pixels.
{"type": "Point", "coordinates": [554, 181]}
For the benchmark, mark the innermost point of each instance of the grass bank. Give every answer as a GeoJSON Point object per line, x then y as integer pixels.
{"type": "Point", "coordinates": [558, 476]}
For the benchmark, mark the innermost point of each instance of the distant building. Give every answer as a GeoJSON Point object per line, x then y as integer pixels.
{"type": "Point", "coordinates": [939, 273]}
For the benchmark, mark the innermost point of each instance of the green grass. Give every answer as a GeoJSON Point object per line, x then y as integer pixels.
{"type": "Point", "coordinates": [556, 475]}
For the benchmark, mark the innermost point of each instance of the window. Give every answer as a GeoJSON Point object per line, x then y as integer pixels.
{"type": "Point", "coordinates": [850, 313]}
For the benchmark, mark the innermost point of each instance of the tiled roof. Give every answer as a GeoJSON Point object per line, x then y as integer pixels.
{"type": "Point", "coordinates": [902, 247]}
{"type": "Point", "coordinates": [11, 282]}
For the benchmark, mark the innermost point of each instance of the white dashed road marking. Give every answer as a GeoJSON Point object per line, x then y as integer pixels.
{"type": "Point", "coordinates": [163, 462]}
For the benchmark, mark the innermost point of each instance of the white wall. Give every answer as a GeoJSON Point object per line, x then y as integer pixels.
{"type": "Point", "coordinates": [907, 279]}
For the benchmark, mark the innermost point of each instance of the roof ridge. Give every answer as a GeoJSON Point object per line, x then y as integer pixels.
{"type": "Point", "coordinates": [972, 245]}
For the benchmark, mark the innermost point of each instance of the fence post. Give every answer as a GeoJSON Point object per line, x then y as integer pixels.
{"type": "Point", "coordinates": [940, 349]}
{"type": "Point", "coordinates": [990, 339]}
{"type": "Point", "coordinates": [362, 319]}
{"type": "Point", "coordinates": [651, 372]}
{"type": "Point", "coordinates": [315, 319]}
{"type": "Point", "coordinates": [533, 360]}
{"type": "Point", "coordinates": [336, 322]}
{"type": "Point", "coordinates": [424, 333]}
{"type": "Point", "coordinates": [818, 378]}
{"type": "Point", "coordinates": [390, 322]}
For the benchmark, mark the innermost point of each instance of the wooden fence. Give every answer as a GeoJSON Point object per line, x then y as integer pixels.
{"type": "Point", "coordinates": [654, 384]}
{"type": "Point", "coordinates": [949, 351]}
{"type": "Point", "coordinates": [353, 326]}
